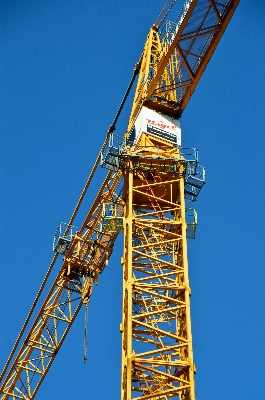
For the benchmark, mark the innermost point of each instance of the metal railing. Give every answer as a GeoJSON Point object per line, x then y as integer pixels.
{"type": "Point", "coordinates": [62, 241]}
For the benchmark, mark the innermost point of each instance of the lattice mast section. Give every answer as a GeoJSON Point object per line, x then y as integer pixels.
{"type": "Point", "coordinates": [156, 329]}
{"type": "Point", "coordinates": [84, 259]}
{"type": "Point", "coordinates": [157, 355]}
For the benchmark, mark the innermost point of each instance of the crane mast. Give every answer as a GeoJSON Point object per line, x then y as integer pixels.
{"type": "Point", "coordinates": [149, 185]}
{"type": "Point", "coordinates": [156, 327]}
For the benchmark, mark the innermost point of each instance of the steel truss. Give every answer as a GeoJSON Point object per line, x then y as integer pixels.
{"type": "Point", "coordinates": [157, 358]}
{"type": "Point", "coordinates": [176, 54]}
{"type": "Point", "coordinates": [85, 259]}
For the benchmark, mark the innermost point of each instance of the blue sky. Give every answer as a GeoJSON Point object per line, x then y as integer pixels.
{"type": "Point", "coordinates": [65, 67]}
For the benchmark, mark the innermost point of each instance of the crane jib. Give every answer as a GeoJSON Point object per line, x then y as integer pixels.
{"type": "Point", "coordinates": [146, 192]}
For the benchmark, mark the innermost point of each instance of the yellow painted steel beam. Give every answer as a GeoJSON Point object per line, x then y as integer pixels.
{"type": "Point", "coordinates": [173, 62]}
{"type": "Point", "coordinates": [71, 288]}
{"type": "Point", "coordinates": [157, 355]}
{"type": "Point", "coordinates": [216, 34]}
{"type": "Point", "coordinates": [147, 63]}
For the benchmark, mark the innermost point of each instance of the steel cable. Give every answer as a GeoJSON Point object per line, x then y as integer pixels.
{"type": "Point", "coordinates": [110, 130]}
{"type": "Point", "coordinates": [166, 14]}
{"type": "Point", "coordinates": [86, 332]}
{"type": "Point", "coordinates": [161, 12]}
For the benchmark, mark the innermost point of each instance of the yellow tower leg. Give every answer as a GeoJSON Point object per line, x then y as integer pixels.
{"type": "Point", "coordinates": [157, 355]}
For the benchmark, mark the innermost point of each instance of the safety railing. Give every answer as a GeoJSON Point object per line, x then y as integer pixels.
{"type": "Point", "coordinates": [195, 179]}
{"type": "Point", "coordinates": [111, 220]}
{"type": "Point", "coordinates": [109, 156]}
{"type": "Point", "coordinates": [192, 222]}
{"type": "Point", "coordinates": [174, 159]}
{"type": "Point", "coordinates": [61, 242]}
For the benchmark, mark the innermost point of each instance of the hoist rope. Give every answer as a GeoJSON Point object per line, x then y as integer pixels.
{"type": "Point", "coordinates": [161, 12]}
{"type": "Point", "coordinates": [135, 73]}
{"type": "Point", "coordinates": [110, 130]}
{"type": "Point", "coordinates": [54, 258]}
{"type": "Point", "coordinates": [87, 184]}
{"type": "Point", "coordinates": [166, 14]}
{"type": "Point", "coordinates": [86, 332]}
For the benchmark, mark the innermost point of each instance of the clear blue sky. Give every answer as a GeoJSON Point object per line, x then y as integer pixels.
{"type": "Point", "coordinates": [65, 66]}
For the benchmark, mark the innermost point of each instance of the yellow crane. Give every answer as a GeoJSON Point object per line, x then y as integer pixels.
{"type": "Point", "coordinates": [149, 186]}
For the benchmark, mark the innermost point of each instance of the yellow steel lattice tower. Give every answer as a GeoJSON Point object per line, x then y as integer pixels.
{"type": "Point", "coordinates": [146, 193]}
{"type": "Point", "coordinates": [157, 358]}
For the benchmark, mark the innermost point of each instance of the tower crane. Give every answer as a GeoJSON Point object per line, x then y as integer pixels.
{"type": "Point", "coordinates": [147, 193]}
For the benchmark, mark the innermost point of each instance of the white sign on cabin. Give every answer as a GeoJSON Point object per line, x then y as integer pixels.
{"type": "Point", "coordinates": [158, 125]}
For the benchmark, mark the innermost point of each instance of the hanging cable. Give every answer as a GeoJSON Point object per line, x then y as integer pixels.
{"type": "Point", "coordinates": [110, 130]}
{"type": "Point", "coordinates": [135, 73]}
{"type": "Point", "coordinates": [161, 12]}
{"type": "Point", "coordinates": [86, 332]}
{"type": "Point", "coordinates": [166, 14]}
